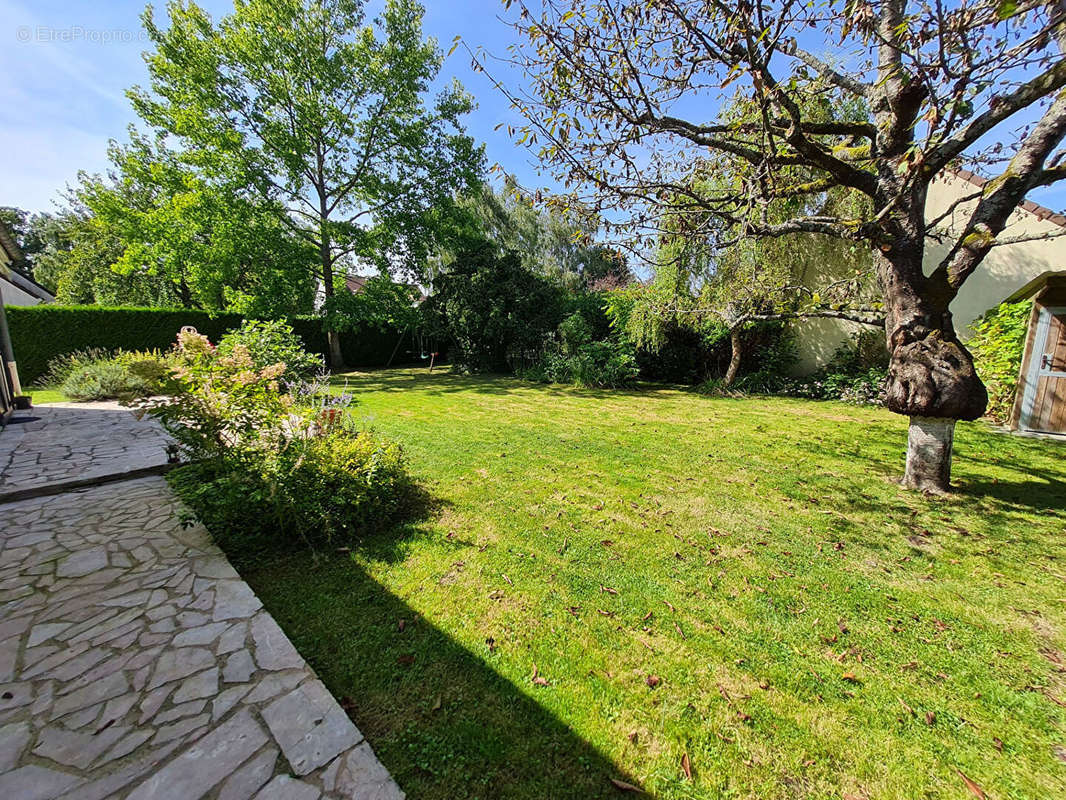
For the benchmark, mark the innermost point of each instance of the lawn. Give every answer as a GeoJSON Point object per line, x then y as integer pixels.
{"type": "Point", "coordinates": [700, 597]}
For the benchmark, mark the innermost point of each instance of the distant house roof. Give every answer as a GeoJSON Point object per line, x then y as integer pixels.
{"type": "Point", "coordinates": [1037, 210]}
{"type": "Point", "coordinates": [356, 283]}
{"type": "Point", "coordinates": [7, 242]}
{"type": "Point", "coordinates": [29, 286]}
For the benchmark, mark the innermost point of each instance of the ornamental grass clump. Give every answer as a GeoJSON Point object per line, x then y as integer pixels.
{"type": "Point", "coordinates": [275, 461]}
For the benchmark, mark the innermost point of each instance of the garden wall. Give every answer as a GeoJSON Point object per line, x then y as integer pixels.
{"type": "Point", "coordinates": [40, 333]}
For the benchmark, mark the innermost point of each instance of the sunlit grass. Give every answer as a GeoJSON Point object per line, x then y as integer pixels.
{"type": "Point", "coordinates": [814, 630]}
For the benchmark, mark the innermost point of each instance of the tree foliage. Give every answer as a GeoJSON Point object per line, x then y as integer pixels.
{"type": "Point", "coordinates": [327, 111]}
{"type": "Point", "coordinates": [494, 309]}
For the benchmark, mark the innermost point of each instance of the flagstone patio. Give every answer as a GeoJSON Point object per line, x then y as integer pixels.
{"type": "Point", "coordinates": [135, 663]}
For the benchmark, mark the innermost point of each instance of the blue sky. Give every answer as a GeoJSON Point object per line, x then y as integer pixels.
{"type": "Point", "coordinates": [64, 68]}
{"type": "Point", "coordinates": [65, 65]}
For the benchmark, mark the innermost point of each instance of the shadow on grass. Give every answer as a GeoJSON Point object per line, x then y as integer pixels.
{"type": "Point", "coordinates": [440, 718]}
{"type": "Point", "coordinates": [447, 381]}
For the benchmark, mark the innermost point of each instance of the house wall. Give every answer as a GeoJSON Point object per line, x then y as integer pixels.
{"type": "Point", "coordinates": [1005, 270]}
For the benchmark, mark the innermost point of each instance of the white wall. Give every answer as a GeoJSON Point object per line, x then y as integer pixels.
{"type": "Point", "coordinates": [1004, 270]}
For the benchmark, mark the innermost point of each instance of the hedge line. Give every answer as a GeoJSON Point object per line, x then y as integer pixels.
{"type": "Point", "coordinates": [40, 333]}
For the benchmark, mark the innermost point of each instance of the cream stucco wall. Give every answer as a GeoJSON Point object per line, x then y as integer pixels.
{"type": "Point", "coordinates": [1005, 269]}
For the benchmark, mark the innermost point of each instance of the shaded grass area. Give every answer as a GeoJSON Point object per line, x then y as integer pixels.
{"type": "Point", "coordinates": [617, 582]}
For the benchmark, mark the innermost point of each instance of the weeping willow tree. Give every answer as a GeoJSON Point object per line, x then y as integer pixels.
{"type": "Point", "coordinates": [708, 270]}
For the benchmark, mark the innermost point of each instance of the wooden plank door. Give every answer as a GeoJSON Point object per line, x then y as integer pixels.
{"type": "Point", "coordinates": [1044, 405]}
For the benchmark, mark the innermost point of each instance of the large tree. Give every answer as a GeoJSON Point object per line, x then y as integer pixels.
{"type": "Point", "coordinates": [193, 227]}
{"type": "Point", "coordinates": [326, 108]}
{"type": "Point", "coordinates": [621, 103]}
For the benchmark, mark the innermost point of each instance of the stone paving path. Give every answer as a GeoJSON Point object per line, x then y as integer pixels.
{"type": "Point", "coordinates": [136, 664]}
{"type": "Point", "coordinates": [63, 445]}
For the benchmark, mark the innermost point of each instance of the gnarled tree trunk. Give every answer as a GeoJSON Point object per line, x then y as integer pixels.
{"type": "Point", "coordinates": [931, 376]}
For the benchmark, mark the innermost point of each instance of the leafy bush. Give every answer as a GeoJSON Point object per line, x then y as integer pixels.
{"type": "Point", "coordinates": [496, 311]}
{"type": "Point", "coordinates": [272, 342]}
{"type": "Point", "coordinates": [574, 357]}
{"type": "Point", "coordinates": [275, 462]}
{"type": "Point", "coordinates": [95, 374]}
{"type": "Point", "coordinates": [855, 374]}
{"type": "Point", "coordinates": [997, 346]}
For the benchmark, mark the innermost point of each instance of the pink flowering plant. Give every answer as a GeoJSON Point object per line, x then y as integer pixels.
{"type": "Point", "coordinates": [274, 455]}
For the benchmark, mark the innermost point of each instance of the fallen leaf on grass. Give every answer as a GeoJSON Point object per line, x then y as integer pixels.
{"type": "Point", "coordinates": [851, 677]}
{"type": "Point", "coordinates": [622, 786]}
{"type": "Point", "coordinates": [608, 589]}
{"type": "Point", "coordinates": [653, 681]}
{"type": "Point", "coordinates": [405, 660]}
{"type": "Point", "coordinates": [401, 625]}
{"type": "Point", "coordinates": [686, 766]}
{"type": "Point", "coordinates": [930, 718]}
{"type": "Point", "coordinates": [537, 679]}
{"type": "Point", "coordinates": [436, 704]}
{"type": "Point", "coordinates": [975, 790]}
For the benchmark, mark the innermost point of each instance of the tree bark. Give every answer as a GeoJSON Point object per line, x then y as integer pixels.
{"type": "Point", "coordinates": [333, 338]}
{"type": "Point", "coordinates": [931, 376]}
{"type": "Point", "coordinates": [929, 444]}
{"type": "Point", "coordinates": [734, 357]}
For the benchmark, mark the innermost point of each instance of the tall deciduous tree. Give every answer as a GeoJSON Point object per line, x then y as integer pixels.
{"type": "Point", "coordinates": [326, 108]}
{"type": "Point", "coordinates": [619, 105]}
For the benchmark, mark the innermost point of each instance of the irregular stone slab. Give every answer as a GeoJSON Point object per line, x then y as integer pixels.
{"type": "Point", "coordinates": [204, 765]}
{"type": "Point", "coordinates": [250, 778]}
{"type": "Point", "coordinates": [310, 727]}
{"type": "Point", "coordinates": [82, 562]}
{"type": "Point", "coordinates": [234, 599]}
{"type": "Point", "coordinates": [32, 782]}
{"type": "Point", "coordinates": [359, 774]}
{"type": "Point", "coordinates": [239, 667]}
{"type": "Point", "coordinates": [273, 650]}
{"type": "Point", "coordinates": [13, 740]}
{"type": "Point", "coordinates": [284, 787]}
{"type": "Point", "coordinates": [203, 685]}
{"type": "Point", "coordinates": [75, 748]}
{"type": "Point", "coordinates": [176, 664]}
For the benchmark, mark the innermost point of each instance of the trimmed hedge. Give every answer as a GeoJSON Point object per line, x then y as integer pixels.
{"type": "Point", "coordinates": [42, 332]}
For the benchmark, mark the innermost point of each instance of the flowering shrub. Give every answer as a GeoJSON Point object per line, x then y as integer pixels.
{"type": "Point", "coordinates": [274, 459]}
{"type": "Point", "coordinates": [272, 342]}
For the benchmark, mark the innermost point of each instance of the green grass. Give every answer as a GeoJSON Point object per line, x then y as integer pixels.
{"type": "Point", "coordinates": [44, 396]}
{"type": "Point", "coordinates": [816, 631]}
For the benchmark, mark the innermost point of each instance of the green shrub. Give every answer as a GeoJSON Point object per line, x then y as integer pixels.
{"type": "Point", "coordinates": [997, 347]}
{"type": "Point", "coordinates": [495, 311]}
{"type": "Point", "coordinates": [574, 357]}
{"type": "Point", "coordinates": [275, 465]}
{"type": "Point", "coordinates": [272, 342]}
{"type": "Point", "coordinates": [104, 380]}
{"type": "Point", "coordinates": [95, 374]}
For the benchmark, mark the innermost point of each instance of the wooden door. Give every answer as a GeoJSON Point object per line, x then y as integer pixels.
{"type": "Point", "coordinates": [1044, 405]}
